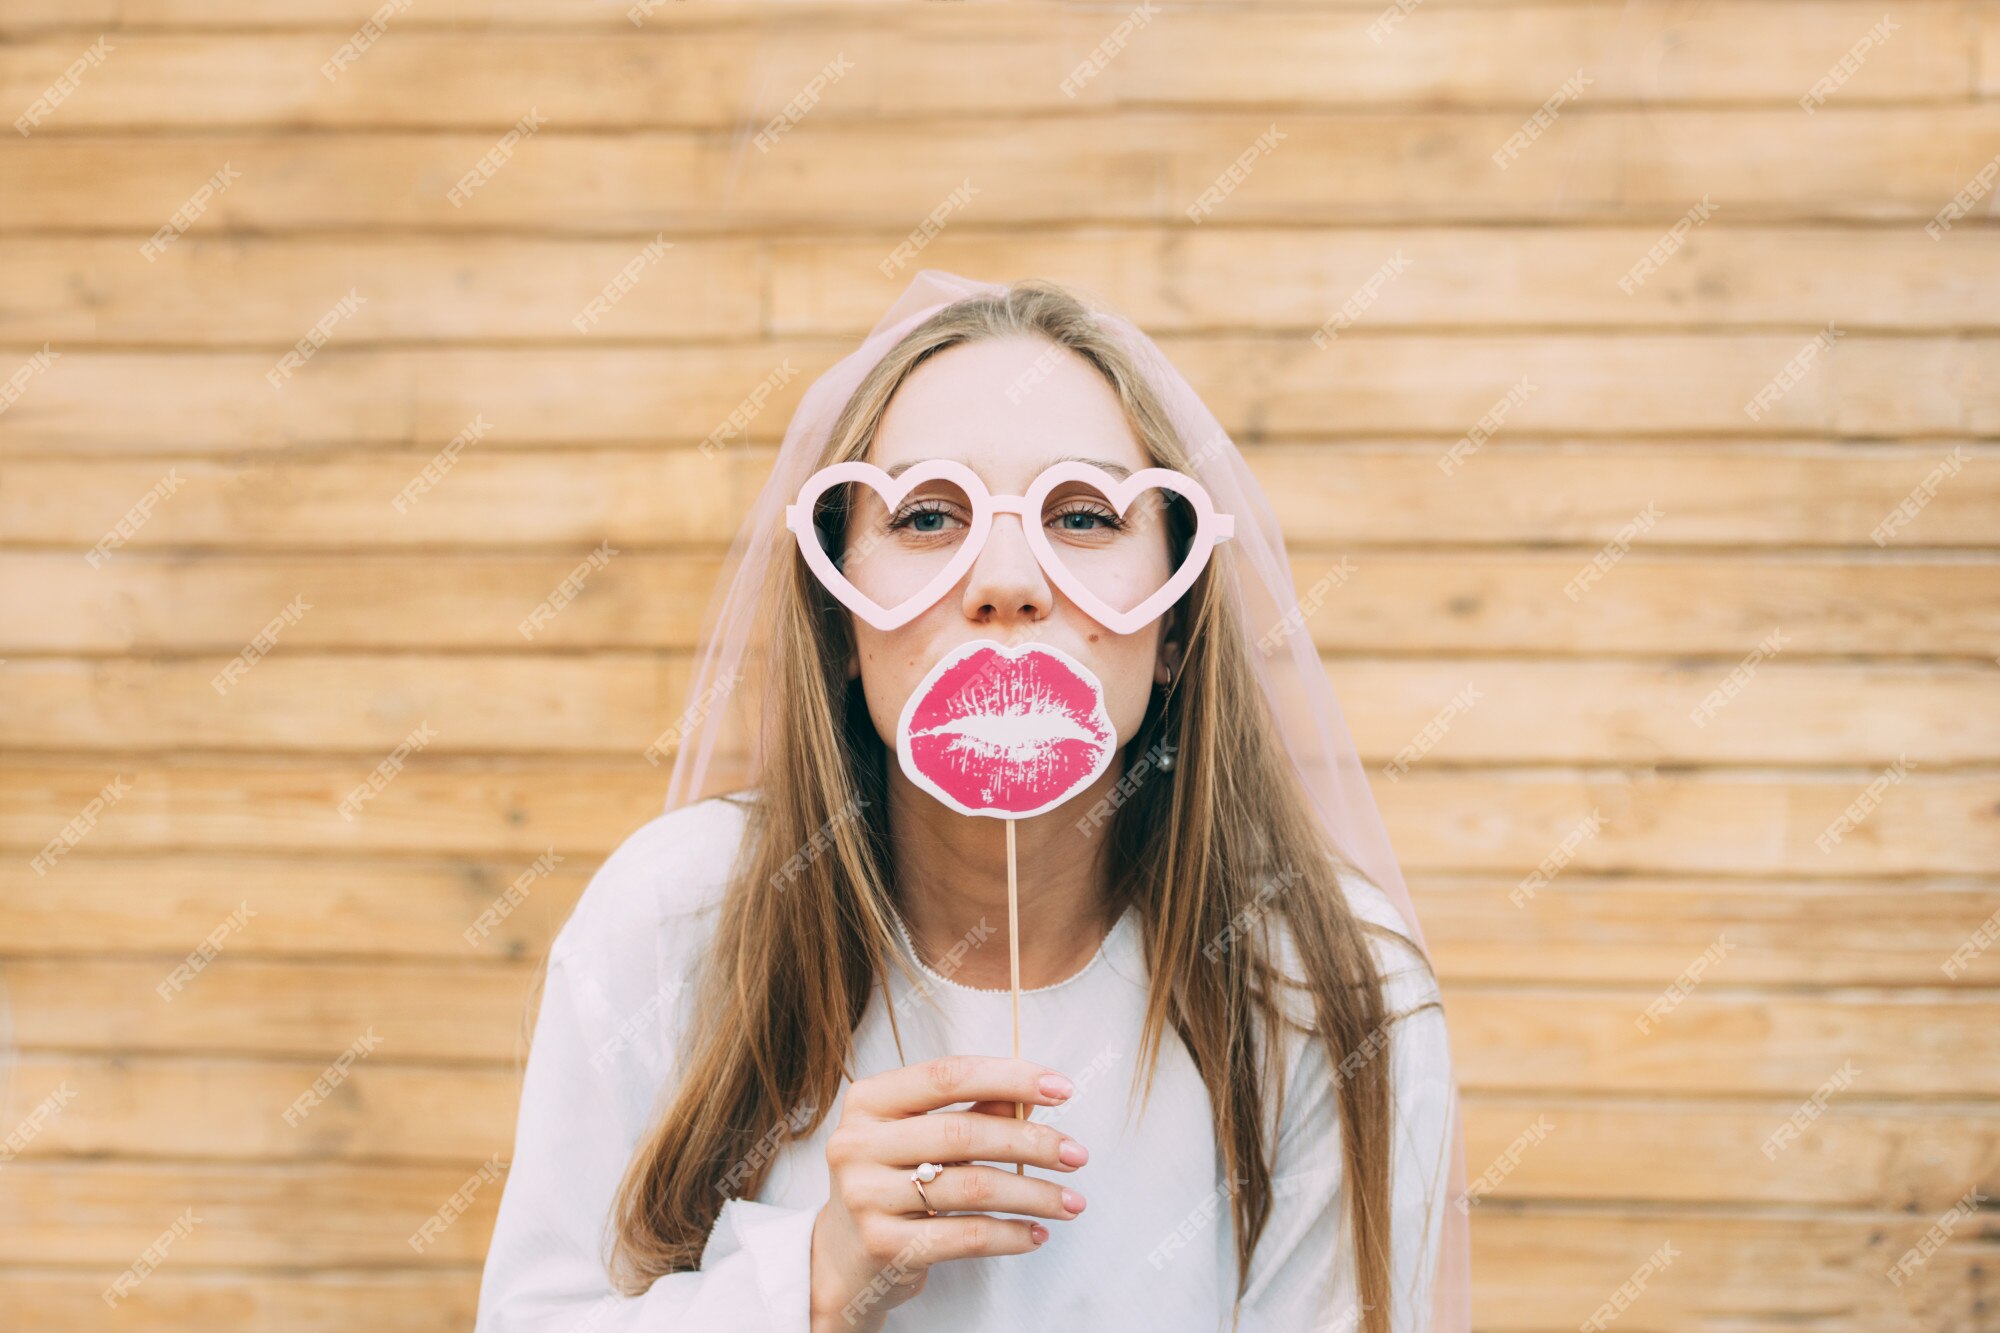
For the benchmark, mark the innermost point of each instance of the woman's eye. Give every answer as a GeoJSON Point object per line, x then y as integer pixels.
{"type": "Point", "coordinates": [925, 519]}
{"type": "Point", "coordinates": [1086, 520]}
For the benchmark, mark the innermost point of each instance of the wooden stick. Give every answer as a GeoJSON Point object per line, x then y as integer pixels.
{"type": "Point", "coordinates": [1014, 963]}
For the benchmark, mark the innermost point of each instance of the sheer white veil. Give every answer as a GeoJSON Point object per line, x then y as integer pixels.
{"type": "Point", "coordinates": [724, 715]}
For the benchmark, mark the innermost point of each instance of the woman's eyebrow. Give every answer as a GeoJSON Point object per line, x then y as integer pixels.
{"type": "Point", "coordinates": [1118, 470]}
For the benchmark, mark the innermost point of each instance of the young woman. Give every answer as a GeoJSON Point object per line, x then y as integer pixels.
{"type": "Point", "coordinates": [772, 1084]}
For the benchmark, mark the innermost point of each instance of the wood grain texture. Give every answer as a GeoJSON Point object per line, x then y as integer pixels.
{"type": "Point", "coordinates": [1614, 709]}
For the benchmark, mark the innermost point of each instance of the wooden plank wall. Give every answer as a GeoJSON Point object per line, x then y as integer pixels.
{"type": "Point", "coordinates": [1718, 528]}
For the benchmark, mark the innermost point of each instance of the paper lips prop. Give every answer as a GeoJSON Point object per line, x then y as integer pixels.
{"type": "Point", "coordinates": [1005, 732]}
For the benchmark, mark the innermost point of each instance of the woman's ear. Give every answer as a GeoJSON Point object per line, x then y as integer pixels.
{"type": "Point", "coordinates": [1168, 662]}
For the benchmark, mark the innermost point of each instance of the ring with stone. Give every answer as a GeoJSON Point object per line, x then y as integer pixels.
{"type": "Point", "coordinates": [928, 1171]}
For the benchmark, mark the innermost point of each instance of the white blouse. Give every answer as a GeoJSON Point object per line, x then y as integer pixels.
{"type": "Point", "coordinates": [1155, 1248]}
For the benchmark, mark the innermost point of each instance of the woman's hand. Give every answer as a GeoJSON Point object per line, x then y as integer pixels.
{"type": "Point", "coordinates": [873, 1244]}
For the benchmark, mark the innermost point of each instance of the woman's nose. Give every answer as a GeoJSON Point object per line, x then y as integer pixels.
{"type": "Point", "coordinates": [1006, 580]}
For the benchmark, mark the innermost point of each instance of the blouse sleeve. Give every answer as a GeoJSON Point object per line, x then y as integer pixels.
{"type": "Point", "coordinates": [594, 1068]}
{"type": "Point", "coordinates": [1302, 1273]}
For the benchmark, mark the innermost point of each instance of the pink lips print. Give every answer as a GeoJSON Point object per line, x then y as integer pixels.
{"type": "Point", "coordinates": [1005, 732]}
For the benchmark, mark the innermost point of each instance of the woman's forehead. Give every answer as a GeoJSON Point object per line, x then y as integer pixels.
{"type": "Point", "coordinates": [1006, 408]}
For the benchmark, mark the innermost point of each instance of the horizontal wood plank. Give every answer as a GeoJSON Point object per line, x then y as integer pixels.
{"type": "Point", "coordinates": [1534, 1274]}
{"type": "Point", "coordinates": [1405, 712]}
{"type": "Point", "coordinates": [491, 494]}
{"type": "Point", "coordinates": [342, 16]}
{"type": "Point", "coordinates": [1888, 606]}
{"type": "Point", "coordinates": [1033, 59]}
{"type": "Point", "coordinates": [1726, 273]}
{"type": "Point", "coordinates": [1848, 163]}
{"type": "Point", "coordinates": [459, 909]}
{"type": "Point", "coordinates": [1504, 822]}
{"type": "Point", "coordinates": [1584, 928]}
{"type": "Point", "coordinates": [1432, 387]}
{"type": "Point", "coordinates": [165, 1109]}
{"type": "Point", "coordinates": [1803, 933]}
{"type": "Point", "coordinates": [1836, 1153]}
{"type": "Point", "coordinates": [275, 1215]}
{"type": "Point", "coordinates": [425, 1013]}
{"type": "Point", "coordinates": [173, 1300]}
{"type": "Point", "coordinates": [1893, 1156]}
{"type": "Point", "coordinates": [1753, 1272]}
{"type": "Point", "coordinates": [1554, 1270]}
{"type": "Point", "coordinates": [250, 290]}
{"type": "Point", "coordinates": [1717, 1040]}
{"type": "Point", "coordinates": [1723, 275]}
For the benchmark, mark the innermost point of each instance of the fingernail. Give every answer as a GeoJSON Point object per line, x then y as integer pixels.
{"type": "Point", "coordinates": [1056, 1086]}
{"type": "Point", "coordinates": [1072, 1201]}
{"type": "Point", "coordinates": [1072, 1153]}
{"type": "Point", "coordinates": [1038, 1233]}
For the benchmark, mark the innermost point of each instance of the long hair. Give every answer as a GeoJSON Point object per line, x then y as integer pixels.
{"type": "Point", "coordinates": [1213, 852]}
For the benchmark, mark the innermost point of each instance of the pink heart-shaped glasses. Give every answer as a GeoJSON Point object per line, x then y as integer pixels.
{"type": "Point", "coordinates": [1211, 528]}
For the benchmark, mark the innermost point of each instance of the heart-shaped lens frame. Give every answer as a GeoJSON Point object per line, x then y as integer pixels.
{"type": "Point", "coordinates": [1211, 528]}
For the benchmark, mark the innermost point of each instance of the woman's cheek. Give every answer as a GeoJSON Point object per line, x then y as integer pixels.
{"type": "Point", "coordinates": [1128, 683]}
